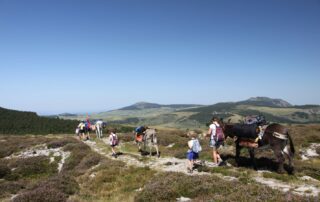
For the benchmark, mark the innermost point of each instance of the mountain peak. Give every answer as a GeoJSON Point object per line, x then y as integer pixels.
{"type": "Point", "coordinates": [141, 105]}
{"type": "Point", "coordinates": [266, 101]}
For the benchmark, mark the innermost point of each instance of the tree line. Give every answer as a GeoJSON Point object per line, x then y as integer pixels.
{"type": "Point", "coordinates": [18, 122]}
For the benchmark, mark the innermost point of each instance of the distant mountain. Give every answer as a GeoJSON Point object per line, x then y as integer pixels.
{"type": "Point", "coordinates": [265, 101]}
{"type": "Point", "coordinates": [20, 122]}
{"type": "Point", "coordinates": [141, 105]}
{"type": "Point", "coordinates": [67, 114]}
{"type": "Point", "coordinates": [275, 110]}
{"type": "Point", "coordinates": [147, 105]}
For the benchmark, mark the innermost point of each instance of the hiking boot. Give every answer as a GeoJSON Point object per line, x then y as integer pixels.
{"type": "Point", "coordinates": [189, 170]}
{"type": "Point", "coordinates": [222, 163]}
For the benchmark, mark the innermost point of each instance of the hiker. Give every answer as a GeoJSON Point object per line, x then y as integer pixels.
{"type": "Point", "coordinates": [77, 132]}
{"type": "Point", "coordinates": [216, 141]}
{"type": "Point", "coordinates": [194, 148]}
{"type": "Point", "coordinates": [87, 129]}
{"type": "Point", "coordinates": [81, 126]}
{"type": "Point", "coordinates": [139, 135]}
{"type": "Point", "coordinates": [113, 139]}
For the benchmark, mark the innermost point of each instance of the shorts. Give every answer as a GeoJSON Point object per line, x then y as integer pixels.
{"type": "Point", "coordinates": [192, 155]}
{"type": "Point", "coordinates": [215, 145]}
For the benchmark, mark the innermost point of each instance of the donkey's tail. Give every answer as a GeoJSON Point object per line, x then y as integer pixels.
{"type": "Point", "coordinates": [291, 143]}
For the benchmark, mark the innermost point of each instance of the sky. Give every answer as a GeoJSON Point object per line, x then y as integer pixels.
{"type": "Point", "coordinates": [88, 56]}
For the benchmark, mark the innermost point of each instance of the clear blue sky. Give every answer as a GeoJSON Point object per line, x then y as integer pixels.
{"type": "Point", "coordinates": [87, 56]}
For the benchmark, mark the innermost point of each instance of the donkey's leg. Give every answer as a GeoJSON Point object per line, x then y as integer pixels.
{"type": "Point", "coordinates": [279, 155]}
{"type": "Point", "coordinates": [150, 149]}
{"type": "Point", "coordinates": [158, 154]}
{"type": "Point", "coordinates": [253, 160]}
{"type": "Point", "coordinates": [238, 148]}
{"type": "Point", "coordinates": [289, 155]}
{"type": "Point", "coordinates": [97, 132]}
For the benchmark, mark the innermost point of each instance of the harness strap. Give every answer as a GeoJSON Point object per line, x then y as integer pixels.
{"type": "Point", "coordinates": [280, 136]}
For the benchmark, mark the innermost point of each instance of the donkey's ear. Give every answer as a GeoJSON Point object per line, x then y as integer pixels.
{"type": "Point", "coordinates": [229, 120]}
{"type": "Point", "coordinates": [155, 130]}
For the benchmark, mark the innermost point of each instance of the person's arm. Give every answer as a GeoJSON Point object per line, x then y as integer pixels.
{"type": "Point", "coordinates": [209, 132]}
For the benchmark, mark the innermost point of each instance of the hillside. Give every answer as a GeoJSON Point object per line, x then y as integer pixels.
{"type": "Point", "coordinates": [133, 113]}
{"type": "Point", "coordinates": [19, 122]}
{"type": "Point", "coordinates": [196, 116]}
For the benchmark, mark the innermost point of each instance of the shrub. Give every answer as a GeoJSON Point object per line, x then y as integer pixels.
{"type": "Point", "coordinates": [91, 159]}
{"type": "Point", "coordinates": [78, 152]}
{"type": "Point", "coordinates": [126, 137]}
{"type": "Point", "coordinates": [169, 186]}
{"type": "Point", "coordinates": [60, 142]}
{"type": "Point", "coordinates": [46, 193]}
{"type": "Point", "coordinates": [32, 167]}
{"type": "Point", "coordinates": [4, 169]}
{"type": "Point", "coordinates": [10, 188]}
{"type": "Point", "coordinates": [65, 183]}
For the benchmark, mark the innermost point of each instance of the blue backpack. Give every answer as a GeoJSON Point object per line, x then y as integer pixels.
{"type": "Point", "coordinates": [139, 129]}
{"type": "Point", "coordinates": [196, 147]}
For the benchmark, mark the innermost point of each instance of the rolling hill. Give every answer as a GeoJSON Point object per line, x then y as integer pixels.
{"type": "Point", "coordinates": [196, 116]}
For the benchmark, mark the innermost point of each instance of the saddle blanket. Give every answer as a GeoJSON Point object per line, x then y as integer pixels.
{"type": "Point", "coordinates": [248, 143]}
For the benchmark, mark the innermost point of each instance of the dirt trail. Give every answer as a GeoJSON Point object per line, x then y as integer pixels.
{"type": "Point", "coordinates": [305, 186]}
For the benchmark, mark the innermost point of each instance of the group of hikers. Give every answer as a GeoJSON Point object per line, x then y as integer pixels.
{"type": "Point", "coordinates": [84, 128]}
{"type": "Point", "coordinates": [216, 141]}
{"type": "Point", "coordinates": [215, 133]}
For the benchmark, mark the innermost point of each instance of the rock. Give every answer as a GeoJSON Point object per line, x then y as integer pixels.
{"type": "Point", "coordinates": [183, 199]}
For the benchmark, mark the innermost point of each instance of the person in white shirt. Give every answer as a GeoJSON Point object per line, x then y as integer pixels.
{"type": "Point", "coordinates": [214, 144]}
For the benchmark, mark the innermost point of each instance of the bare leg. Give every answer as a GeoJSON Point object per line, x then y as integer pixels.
{"type": "Point", "coordinates": [214, 155]}
{"type": "Point", "coordinates": [190, 166]}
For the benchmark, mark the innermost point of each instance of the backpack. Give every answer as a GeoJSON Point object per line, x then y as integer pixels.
{"type": "Point", "coordinates": [196, 147]}
{"type": "Point", "coordinates": [114, 140]}
{"type": "Point", "coordinates": [219, 134]}
{"type": "Point", "coordinates": [139, 129]}
{"type": "Point", "coordinates": [259, 120]}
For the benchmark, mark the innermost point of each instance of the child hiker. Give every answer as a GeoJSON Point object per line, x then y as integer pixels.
{"type": "Point", "coordinates": [113, 139]}
{"type": "Point", "coordinates": [194, 148]}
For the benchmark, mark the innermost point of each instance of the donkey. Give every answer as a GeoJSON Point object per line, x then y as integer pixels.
{"type": "Point", "coordinates": [150, 140]}
{"type": "Point", "coordinates": [275, 135]}
{"type": "Point", "coordinates": [99, 125]}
